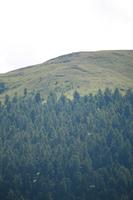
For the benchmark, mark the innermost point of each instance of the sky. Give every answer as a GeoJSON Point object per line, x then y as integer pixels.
{"type": "Point", "coordinates": [33, 31]}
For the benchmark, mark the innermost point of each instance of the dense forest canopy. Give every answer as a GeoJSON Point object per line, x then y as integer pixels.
{"type": "Point", "coordinates": [61, 149]}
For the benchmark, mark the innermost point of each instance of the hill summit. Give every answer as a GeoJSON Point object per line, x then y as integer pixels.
{"type": "Point", "coordinates": [85, 72]}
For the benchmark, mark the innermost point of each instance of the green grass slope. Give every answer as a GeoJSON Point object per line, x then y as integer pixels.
{"type": "Point", "coordinates": [83, 71]}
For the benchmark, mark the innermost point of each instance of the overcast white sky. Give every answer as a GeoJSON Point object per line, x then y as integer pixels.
{"type": "Point", "coordinates": [32, 31]}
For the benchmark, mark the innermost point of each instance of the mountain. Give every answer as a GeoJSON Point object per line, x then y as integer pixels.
{"type": "Point", "coordinates": [82, 71]}
{"type": "Point", "coordinates": [76, 149]}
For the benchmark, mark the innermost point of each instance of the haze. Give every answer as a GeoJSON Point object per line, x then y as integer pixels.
{"type": "Point", "coordinates": [33, 31]}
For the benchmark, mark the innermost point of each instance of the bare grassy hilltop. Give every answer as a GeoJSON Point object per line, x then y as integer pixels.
{"type": "Point", "coordinates": [85, 72]}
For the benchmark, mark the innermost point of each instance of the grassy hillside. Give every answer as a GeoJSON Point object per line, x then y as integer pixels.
{"type": "Point", "coordinates": [84, 71]}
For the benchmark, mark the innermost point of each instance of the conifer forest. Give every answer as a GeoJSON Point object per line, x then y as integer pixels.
{"type": "Point", "coordinates": [67, 149]}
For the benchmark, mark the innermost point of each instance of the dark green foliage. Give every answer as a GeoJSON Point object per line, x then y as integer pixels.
{"type": "Point", "coordinates": [2, 87]}
{"type": "Point", "coordinates": [69, 150]}
{"type": "Point", "coordinates": [25, 91]}
{"type": "Point", "coordinates": [37, 98]}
